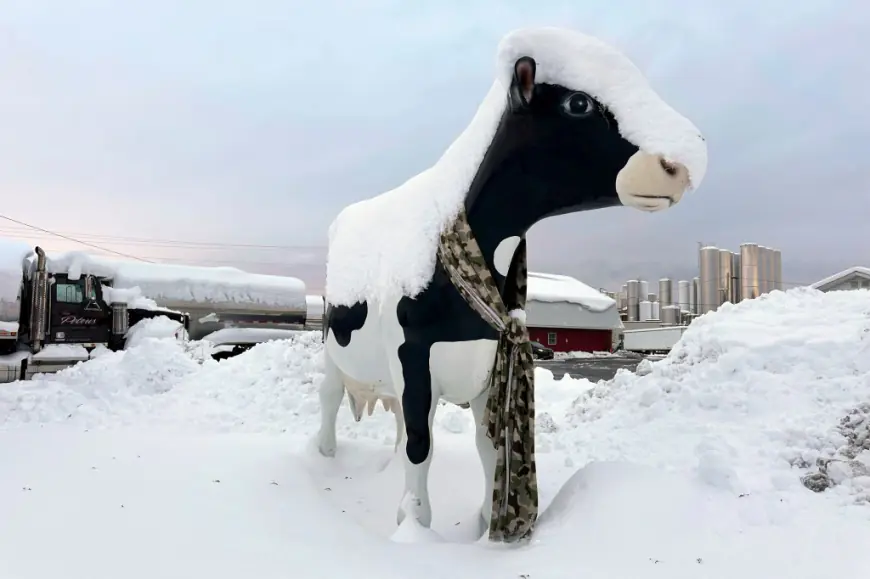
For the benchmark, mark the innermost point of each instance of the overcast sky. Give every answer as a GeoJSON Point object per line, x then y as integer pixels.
{"type": "Point", "coordinates": [232, 123]}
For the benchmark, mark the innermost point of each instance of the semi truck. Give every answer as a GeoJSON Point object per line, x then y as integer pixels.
{"type": "Point", "coordinates": [69, 307]}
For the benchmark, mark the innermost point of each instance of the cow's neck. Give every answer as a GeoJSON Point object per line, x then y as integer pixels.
{"type": "Point", "coordinates": [499, 209]}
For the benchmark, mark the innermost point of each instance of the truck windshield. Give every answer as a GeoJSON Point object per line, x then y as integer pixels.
{"type": "Point", "coordinates": [69, 293]}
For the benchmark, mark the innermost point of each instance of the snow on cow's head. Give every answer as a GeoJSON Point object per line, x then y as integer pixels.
{"type": "Point", "coordinates": [586, 128]}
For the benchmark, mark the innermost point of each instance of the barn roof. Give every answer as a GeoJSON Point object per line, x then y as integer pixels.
{"type": "Point", "coordinates": [830, 280]}
{"type": "Point", "coordinates": [548, 287]}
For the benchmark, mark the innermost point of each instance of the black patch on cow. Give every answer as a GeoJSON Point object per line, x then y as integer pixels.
{"type": "Point", "coordinates": [342, 321]}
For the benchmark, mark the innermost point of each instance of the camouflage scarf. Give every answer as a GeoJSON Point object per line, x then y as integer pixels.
{"type": "Point", "coordinates": [510, 410]}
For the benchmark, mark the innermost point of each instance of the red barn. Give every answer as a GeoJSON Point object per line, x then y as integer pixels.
{"type": "Point", "coordinates": [566, 315]}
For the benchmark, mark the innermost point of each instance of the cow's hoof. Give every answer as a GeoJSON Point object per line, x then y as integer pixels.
{"type": "Point", "coordinates": [415, 508]}
{"type": "Point", "coordinates": [482, 525]}
{"type": "Point", "coordinates": [326, 446]}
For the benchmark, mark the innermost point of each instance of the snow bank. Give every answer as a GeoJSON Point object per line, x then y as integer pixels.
{"type": "Point", "coordinates": [749, 398]}
{"type": "Point", "coordinates": [547, 287]}
{"type": "Point", "coordinates": [173, 285]}
{"type": "Point", "coordinates": [374, 256]}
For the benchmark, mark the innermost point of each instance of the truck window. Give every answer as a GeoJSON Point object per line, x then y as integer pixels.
{"type": "Point", "coordinates": [69, 293]}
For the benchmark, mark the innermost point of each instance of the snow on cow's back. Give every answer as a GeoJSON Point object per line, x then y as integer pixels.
{"type": "Point", "coordinates": [384, 247]}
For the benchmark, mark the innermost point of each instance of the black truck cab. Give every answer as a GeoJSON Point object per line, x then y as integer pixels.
{"type": "Point", "coordinates": [56, 309]}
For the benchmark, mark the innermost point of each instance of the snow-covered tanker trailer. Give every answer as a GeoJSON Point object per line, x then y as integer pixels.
{"type": "Point", "coordinates": [60, 309]}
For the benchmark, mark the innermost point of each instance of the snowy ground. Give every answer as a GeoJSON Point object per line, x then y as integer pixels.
{"type": "Point", "coordinates": [156, 463]}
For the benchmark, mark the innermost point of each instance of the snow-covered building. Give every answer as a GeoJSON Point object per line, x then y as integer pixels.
{"type": "Point", "coordinates": [567, 315]}
{"type": "Point", "coordinates": [850, 279]}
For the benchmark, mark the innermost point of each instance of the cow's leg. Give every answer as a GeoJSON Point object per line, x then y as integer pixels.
{"type": "Point", "coordinates": [486, 451]}
{"type": "Point", "coordinates": [331, 395]}
{"type": "Point", "coordinates": [419, 402]}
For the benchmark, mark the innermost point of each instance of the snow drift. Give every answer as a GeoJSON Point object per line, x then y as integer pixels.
{"type": "Point", "coordinates": [694, 466]}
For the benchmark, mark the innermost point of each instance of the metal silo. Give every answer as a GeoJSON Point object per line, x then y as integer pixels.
{"type": "Point", "coordinates": [709, 298]}
{"type": "Point", "coordinates": [656, 311]}
{"type": "Point", "coordinates": [633, 288]}
{"type": "Point", "coordinates": [692, 297]}
{"type": "Point", "coordinates": [644, 311]}
{"type": "Point", "coordinates": [683, 295]}
{"type": "Point", "coordinates": [777, 269]}
{"type": "Point", "coordinates": [764, 263]}
{"type": "Point", "coordinates": [696, 290]}
{"type": "Point", "coordinates": [670, 315]}
{"type": "Point", "coordinates": [665, 292]}
{"type": "Point", "coordinates": [642, 290]}
{"type": "Point", "coordinates": [748, 271]}
{"type": "Point", "coordinates": [652, 297]}
{"type": "Point", "coordinates": [725, 276]}
{"type": "Point", "coordinates": [735, 278]}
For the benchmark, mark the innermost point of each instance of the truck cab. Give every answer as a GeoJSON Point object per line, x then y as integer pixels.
{"type": "Point", "coordinates": [77, 313]}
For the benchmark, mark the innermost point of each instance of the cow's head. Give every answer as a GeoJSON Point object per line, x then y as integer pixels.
{"type": "Point", "coordinates": [561, 150]}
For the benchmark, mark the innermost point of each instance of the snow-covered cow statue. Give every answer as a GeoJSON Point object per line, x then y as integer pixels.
{"type": "Point", "coordinates": [426, 282]}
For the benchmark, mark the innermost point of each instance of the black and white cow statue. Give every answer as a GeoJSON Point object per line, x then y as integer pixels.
{"type": "Point", "coordinates": [569, 125]}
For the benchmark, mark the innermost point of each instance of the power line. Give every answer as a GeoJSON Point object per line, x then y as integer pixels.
{"type": "Point", "coordinates": [68, 238]}
{"type": "Point", "coordinates": [125, 240]}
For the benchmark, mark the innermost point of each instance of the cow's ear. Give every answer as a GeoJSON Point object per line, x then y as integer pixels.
{"type": "Point", "coordinates": [523, 82]}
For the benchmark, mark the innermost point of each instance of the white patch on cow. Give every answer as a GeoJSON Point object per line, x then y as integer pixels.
{"type": "Point", "coordinates": [645, 184]}
{"type": "Point", "coordinates": [504, 254]}
{"type": "Point", "coordinates": [461, 369]}
{"type": "Point", "coordinates": [362, 363]}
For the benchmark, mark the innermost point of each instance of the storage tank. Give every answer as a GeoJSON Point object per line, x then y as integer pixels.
{"type": "Point", "coordinates": [709, 283]}
{"type": "Point", "coordinates": [633, 293]}
{"type": "Point", "coordinates": [652, 297]}
{"type": "Point", "coordinates": [670, 315]}
{"type": "Point", "coordinates": [777, 269]}
{"type": "Point", "coordinates": [725, 276]}
{"type": "Point", "coordinates": [763, 266]}
{"type": "Point", "coordinates": [692, 296]}
{"type": "Point", "coordinates": [735, 277]}
{"type": "Point", "coordinates": [769, 274]}
{"type": "Point", "coordinates": [656, 311]}
{"type": "Point", "coordinates": [665, 292]}
{"type": "Point", "coordinates": [645, 311]}
{"type": "Point", "coordinates": [683, 295]}
{"type": "Point", "coordinates": [748, 271]}
{"type": "Point", "coordinates": [696, 288]}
